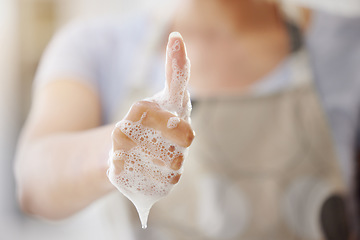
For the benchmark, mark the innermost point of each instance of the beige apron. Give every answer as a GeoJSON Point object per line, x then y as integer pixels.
{"type": "Point", "coordinates": [261, 167]}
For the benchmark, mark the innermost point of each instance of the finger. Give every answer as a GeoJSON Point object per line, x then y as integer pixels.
{"type": "Point", "coordinates": [175, 179]}
{"type": "Point", "coordinates": [159, 153]}
{"type": "Point", "coordinates": [177, 162]}
{"type": "Point", "coordinates": [158, 119]}
{"type": "Point", "coordinates": [120, 141]}
{"type": "Point", "coordinates": [177, 73]}
{"type": "Point", "coordinates": [121, 163]}
{"type": "Point", "coordinates": [118, 160]}
{"type": "Point", "coordinates": [161, 156]}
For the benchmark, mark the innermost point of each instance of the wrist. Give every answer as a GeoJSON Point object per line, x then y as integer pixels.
{"type": "Point", "coordinates": [98, 165]}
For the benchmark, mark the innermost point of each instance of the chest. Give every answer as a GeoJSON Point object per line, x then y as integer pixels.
{"type": "Point", "coordinates": [224, 66]}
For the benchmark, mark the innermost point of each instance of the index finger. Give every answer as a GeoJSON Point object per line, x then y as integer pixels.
{"type": "Point", "coordinates": [177, 73]}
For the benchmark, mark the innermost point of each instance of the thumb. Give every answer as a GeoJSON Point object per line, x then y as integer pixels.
{"type": "Point", "coordinates": [177, 69]}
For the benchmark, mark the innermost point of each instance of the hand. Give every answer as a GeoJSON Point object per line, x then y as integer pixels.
{"type": "Point", "coordinates": [150, 143]}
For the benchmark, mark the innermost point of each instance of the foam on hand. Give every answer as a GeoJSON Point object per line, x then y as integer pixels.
{"type": "Point", "coordinates": [173, 122]}
{"type": "Point", "coordinates": [146, 173]}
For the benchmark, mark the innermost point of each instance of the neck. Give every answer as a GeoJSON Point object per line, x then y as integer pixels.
{"type": "Point", "coordinates": [231, 43]}
{"type": "Point", "coordinates": [237, 15]}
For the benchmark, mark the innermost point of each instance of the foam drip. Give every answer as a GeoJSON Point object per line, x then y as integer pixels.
{"type": "Point", "coordinates": [147, 175]}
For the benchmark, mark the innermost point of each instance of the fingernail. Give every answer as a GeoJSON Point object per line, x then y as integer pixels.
{"type": "Point", "coordinates": [175, 34]}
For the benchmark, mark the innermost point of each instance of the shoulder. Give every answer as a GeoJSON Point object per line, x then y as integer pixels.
{"type": "Point", "coordinates": [80, 49]}
{"type": "Point", "coordinates": [102, 31]}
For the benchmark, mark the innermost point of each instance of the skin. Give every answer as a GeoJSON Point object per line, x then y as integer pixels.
{"type": "Point", "coordinates": [232, 44]}
{"type": "Point", "coordinates": [247, 40]}
{"type": "Point", "coordinates": [157, 118]}
{"type": "Point", "coordinates": [62, 154]}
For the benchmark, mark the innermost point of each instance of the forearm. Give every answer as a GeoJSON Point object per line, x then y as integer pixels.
{"type": "Point", "coordinates": [60, 174]}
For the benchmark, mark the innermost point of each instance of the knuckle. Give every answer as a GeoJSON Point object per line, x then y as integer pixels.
{"type": "Point", "coordinates": [140, 106]}
{"type": "Point", "coordinates": [144, 105]}
{"type": "Point", "coordinates": [137, 110]}
{"type": "Point", "coordinates": [116, 133]}
{"type": "Point", "coordinates": [121, 141]}
{"type": "Point", "coordinates": [189, 136]}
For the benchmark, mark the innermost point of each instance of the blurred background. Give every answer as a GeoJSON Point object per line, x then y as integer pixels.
{"type": "Point", "coordinates": [26, 26]}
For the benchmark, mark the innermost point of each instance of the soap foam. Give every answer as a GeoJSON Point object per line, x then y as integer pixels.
{"type": "Point", "coordinates": [146, 175]}
{"type": "Point", "coordinates": [176, 100]}
{"type": "Point", "coordinates": [173, 122]}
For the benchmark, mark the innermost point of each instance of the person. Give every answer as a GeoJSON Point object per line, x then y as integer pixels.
{"type": "Point", "coordinates": [262, 165]}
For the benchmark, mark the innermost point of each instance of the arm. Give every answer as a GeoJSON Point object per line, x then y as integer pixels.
{"type": "Point", "coordinates": [62, 154]}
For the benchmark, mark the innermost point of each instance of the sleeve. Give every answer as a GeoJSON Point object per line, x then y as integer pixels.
{"type": "Point", "coordinates": [71, 54]}
{"type": "Point", "coordinates": [334, 44]}
{"type": "Point", "coordinates": [334, 47]}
